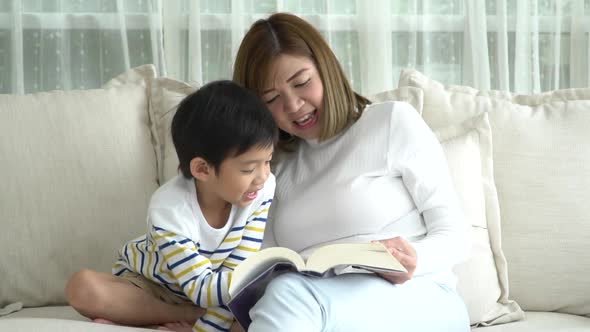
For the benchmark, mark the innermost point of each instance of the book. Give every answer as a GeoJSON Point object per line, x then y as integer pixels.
{"type": "Point", "coordinates": [250, 278]}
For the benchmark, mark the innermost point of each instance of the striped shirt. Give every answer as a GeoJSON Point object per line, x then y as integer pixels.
{"type": "Point", "coordinates": [190, 258]}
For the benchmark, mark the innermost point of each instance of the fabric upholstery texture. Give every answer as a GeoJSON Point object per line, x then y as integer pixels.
{"type": "Point", "coordinates": [165, 96]}
{"type": "Point", "coordinates": [482, 280]}
{"type": "Point", "coordinates": [541, 162]}
{"type": "Point", "coordinates": [79, 170]}
{"type": "Point", "coordinates": [468, 148]}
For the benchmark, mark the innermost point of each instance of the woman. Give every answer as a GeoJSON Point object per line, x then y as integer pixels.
{"type": "Point", "coordinates": [351, 172]}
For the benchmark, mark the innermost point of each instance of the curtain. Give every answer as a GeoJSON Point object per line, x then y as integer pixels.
{"type": "Point", "coordinates": [523, 46]}
{"type": "Point", "coordinates": [75, 44]}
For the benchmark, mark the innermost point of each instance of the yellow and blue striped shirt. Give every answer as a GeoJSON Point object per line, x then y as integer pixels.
{"type": "Point", "coordinates": [187, 256]}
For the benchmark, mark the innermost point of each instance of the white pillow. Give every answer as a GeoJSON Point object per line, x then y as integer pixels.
{"type": "Point", "coordinates": [79, 168]}
{"type": "Point", "coordinates": [468, 149]}
{"type": "Point", "coordinates": [541, 165]}
{"type": "Point", "coordinates": [408, 94]}
{"type": "Point", "coordinates": [482, 280]}
{"type": "Point", "coordinates": [165, 96]}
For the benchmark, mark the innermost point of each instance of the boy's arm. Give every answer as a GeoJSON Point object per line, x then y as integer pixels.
{"type": "Point", "coordinates": [192, 271]}
{"type": "Point", "coordinates": [254, 229]}
{"type": "Point", "coordinates": [220, 317]}
{"type": "Point", "coordinates": [252, 235]}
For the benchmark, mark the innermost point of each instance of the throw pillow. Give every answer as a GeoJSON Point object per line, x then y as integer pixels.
{"type": "Point", "coordinates": [166, 94]}
{"type": "Point", "coordinates": [468, 148]}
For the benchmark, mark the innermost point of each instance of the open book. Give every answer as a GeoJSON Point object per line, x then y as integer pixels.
{"type": "Point", "coordinates": [250, 278]}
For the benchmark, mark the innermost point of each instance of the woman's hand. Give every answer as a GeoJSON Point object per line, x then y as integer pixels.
{"type": "Point", "coordinates": [405, 254]}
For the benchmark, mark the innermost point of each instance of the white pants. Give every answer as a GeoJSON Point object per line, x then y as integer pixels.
{"type": "Point", "coordinates": [358, 302]}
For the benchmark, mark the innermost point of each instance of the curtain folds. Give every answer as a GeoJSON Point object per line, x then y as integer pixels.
{"type": "Point", "coordinates": [522, 46]}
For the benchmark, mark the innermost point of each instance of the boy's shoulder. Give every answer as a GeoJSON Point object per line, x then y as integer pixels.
{"type": "Point", "coordinates": [172, 193]}
{"type": "Point", "coordinates": [171, 207]}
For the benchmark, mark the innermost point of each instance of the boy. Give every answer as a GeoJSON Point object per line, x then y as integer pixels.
{"type": "Point", "coordinates": [201, 224]}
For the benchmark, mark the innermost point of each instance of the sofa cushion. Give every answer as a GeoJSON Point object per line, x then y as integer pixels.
{"type": "Point", "coordinates": [65, 319]}
{"type": "Point", "coordinates": [408, 94]}
{"type": "Point", "coordinates": [57, 312]}
{"type": "Point", "coordinates": [468, 149]}
{"type": "Point", "coordinates": [61, 325]}
{"type": "Point", "coordinates": [543, 322]}
{"type": "Point", "coordinates": [542, 171]}
{"type": "Point", "coordinates": [79, 168]}
{"type": "Point", "coordinates": [165, 96]}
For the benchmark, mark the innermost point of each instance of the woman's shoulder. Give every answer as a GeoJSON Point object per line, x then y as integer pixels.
{"type": "Point", "coordinates": [392, 113]}
{"type": "Point", "coordinates": [402, 124]}
{"type": "Point", "coordinates": [391, 106]}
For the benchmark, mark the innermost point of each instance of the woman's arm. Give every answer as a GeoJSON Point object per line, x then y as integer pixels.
{"type": "Point", "coordinates": [422, 164]}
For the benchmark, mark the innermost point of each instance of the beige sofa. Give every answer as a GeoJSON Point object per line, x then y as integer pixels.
{"type": "Point", "coordinates": [80, 167]}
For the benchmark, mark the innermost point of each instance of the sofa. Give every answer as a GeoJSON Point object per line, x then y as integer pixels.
{"type": "Point", "coordinates": [80, 167]}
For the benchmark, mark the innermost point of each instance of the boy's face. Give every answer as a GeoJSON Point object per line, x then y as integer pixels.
{"type": "Point", "coordinates": [240, 178]}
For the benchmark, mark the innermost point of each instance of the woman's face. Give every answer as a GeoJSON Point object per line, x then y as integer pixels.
{"type": "Point", "coordinates": [294, 94]}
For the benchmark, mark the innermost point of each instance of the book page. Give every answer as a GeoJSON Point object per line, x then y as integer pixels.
{"type": "Point", "coordinates": [372, 256]}
{"type": "Point", "coordinates": [256, 264]}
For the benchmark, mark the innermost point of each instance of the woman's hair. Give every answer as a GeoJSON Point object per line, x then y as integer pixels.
{"type": "Point", "coordinates": [288, 34]}
{"type": "Point", "coordinates": [218, 121]}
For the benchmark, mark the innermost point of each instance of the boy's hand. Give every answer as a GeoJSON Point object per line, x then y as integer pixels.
{"type": "Point", "coordinates": [235, 327]}
{"type": "Point", "coordinates": [405, 253]}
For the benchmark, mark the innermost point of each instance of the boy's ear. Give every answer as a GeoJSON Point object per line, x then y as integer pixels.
{"type": "Point", "coordinates": [200, 169]}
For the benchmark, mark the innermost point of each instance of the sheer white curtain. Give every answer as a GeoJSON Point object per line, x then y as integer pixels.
{"type": "Point", "coordinates": [75, 44]}
{"type": "Point", "coordinates": [518, 45]}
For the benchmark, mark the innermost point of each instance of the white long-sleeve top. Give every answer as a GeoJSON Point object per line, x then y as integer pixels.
{"type": "Point", "coordinates": [385, 176]}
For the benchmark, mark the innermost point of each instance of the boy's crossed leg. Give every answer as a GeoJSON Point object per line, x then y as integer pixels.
{"type": "Point", "coordinates": [106, 298]}
{"type": "Point", "coordinates": [109, 299]}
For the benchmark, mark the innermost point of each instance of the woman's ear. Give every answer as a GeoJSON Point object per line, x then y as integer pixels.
{"type": "Point", "coordinates": [200, 169]}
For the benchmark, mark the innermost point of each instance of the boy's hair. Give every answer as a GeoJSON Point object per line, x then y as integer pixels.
{"type": "Point", "coordinates": [218, 121]}
{"type": "Point", "coordinates": [284, 33]}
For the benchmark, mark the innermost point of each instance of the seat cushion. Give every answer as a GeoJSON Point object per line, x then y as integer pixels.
{"type": "Point", "coordinates": [542, 322]}
{"type": "Point", "coordinates": [57, 312]}
{"type": "Point", "coordinates": [55, 318]}
{"type": "Point", "coordinates": [61, 325]}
